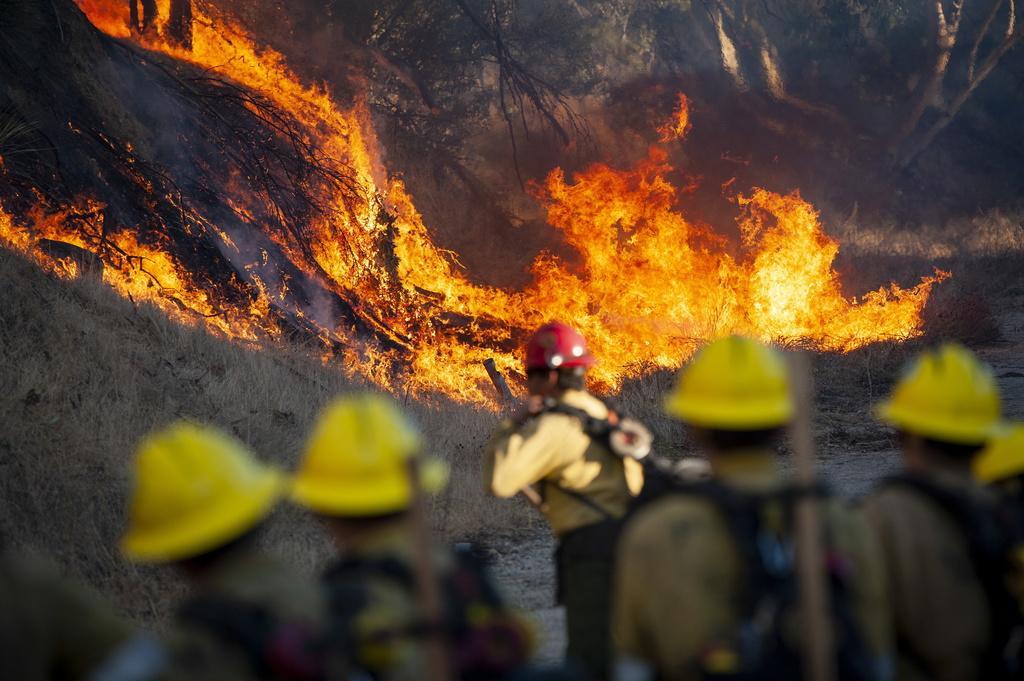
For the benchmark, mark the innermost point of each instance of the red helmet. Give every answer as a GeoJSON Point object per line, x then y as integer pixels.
{"type": "Point", "coordinates": [556, 345]}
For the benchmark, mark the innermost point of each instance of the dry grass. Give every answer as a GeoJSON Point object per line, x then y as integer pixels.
{"type": "Point", "coordinates": [86, 374]}
{"type": "Point", "coordinates": [993, 234]}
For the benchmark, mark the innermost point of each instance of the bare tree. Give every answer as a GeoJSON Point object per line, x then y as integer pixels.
{"type": "Point", "coordinates": [749, 52]}
{"type": "Point", "coordinates": [519, 88]}
{"type": "Point", "coordinates": [142, 15]}
{"type": "Point", "coordinates": [179, 23]}
{"type": "Point", "coordinates": [944, 17]}
{"type": "Point", "coordinates": [903, 149]}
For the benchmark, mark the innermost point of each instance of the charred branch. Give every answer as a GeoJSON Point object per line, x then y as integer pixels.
{"type": "Point", "coordinates": [142, 15]}
{"type": "Point", "coordinates": [520, 89]}
{"type": "Point", "coordinates": [179, 23]}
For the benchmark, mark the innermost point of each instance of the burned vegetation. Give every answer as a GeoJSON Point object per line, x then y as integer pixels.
{"type": "Point", "coordinates": [131, 148]}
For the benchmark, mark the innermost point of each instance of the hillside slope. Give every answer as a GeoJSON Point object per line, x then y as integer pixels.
{"type": "Point", "coordinates": [86, 374]}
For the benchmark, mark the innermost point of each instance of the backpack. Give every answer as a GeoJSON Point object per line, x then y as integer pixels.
{"type": "Point", "coordinates": [276, 649]}
{"type": "Point", "coordinates": [993, 533]}
{"type": "Point", "coordinates": [757, 650]}
{"type": "Point", "coordinates": [627, 438]}
{"type": "Point", "coordinates": [485, 640]}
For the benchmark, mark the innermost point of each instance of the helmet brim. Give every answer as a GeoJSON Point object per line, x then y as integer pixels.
{"type": "Point", "coordinates": [732, 415]}
{"type": "Point", "coordinates": [213, 528]}
{"type": "Point", "coordinates": [330, 498]}
{"type": "Point", "coordinates": [942, 430]}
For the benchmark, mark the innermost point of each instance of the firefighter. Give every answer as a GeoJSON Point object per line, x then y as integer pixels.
{"type": "Point", "coordinates": [395, 598]}
{"type": "Point", "coordinates": [199, 502]}
{"type": "Point", "coordinates": [586, 488]}
{"type": "Point", "coordinates": [1001, 466]}
{"type": "Point", "coordinates": [51, 629]}
{"type": "Point", "coordinates": [944, 408]}
{"type": "Point", "coordinates": [705, 577]}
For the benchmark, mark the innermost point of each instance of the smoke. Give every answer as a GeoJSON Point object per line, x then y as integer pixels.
{"type": "Point", "coordinates": [169, 126]}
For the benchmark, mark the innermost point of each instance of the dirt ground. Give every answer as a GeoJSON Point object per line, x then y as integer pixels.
{"type": "Point", "coordinates": [522, 559]}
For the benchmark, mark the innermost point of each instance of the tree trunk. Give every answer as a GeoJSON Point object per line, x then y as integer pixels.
{"type": "Point", "coordinates": [179, 23]}
{"type": "Point", "coordinates": [142, 15]}
{"type": "Point", "coordinates": [729, 57]}
{"type": "Point", "coordinates": [943, 38]}
{"type": "Point", "coordinates": [974, 79]}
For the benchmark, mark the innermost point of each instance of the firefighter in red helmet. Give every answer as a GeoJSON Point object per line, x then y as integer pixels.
{"type": "Point", "coordinates": [585, 486]}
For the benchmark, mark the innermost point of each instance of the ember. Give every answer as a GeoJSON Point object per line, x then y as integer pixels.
{"type": "Point", "coordinates": [364, 275]}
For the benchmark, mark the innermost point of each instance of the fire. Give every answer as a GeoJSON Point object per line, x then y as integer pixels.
{"type": "Point", "coordinates": [650, 287]}
{"type": "Point", "coordinates": [139, 271]}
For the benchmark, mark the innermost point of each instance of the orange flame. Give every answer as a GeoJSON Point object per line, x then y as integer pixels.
{"type": "Point", "coordinates": [651, 286]}
{"type": "Point", "coordinates": [675, 128]}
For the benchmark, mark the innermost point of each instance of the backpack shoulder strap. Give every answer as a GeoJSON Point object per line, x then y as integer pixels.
{"type": "Point", "coordinates": [596, 429]}
{"type": "Point", "coordinates": [766, 561]}
{"type": "Point", "coordinates": [624, 436]}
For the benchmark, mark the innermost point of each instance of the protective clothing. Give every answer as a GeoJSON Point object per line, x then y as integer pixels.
{"type": "Point", "coordinates": [586, 488]}
{"type": "Point", "coordinates": [51, 629]}
{"type": "Point", "coordinates": [938, 600]}
{"type": "Point", "coordinates": [946, 395]}
{"type": "Point", "coordinates": [356, 460]}
{"type": "Point", "coordinates": [681, 576]}
{"type": "Point", "coordinates": [733, 384]}
{"type": "Point", "coordinates": [251, 617]}
{"type": "Point", "coordinates": [1003, 457]}
{"type": "Point", "coordinates": [557, 346]}
{"type": "Point", "coordinates": [553, 451]}
{"type": "Point", "coordinates": [196, 488]}
{"type": "Point", "coordinates": [377, 617]}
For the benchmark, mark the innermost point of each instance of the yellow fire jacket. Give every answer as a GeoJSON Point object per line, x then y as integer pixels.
{"type": "Point", "coordinates": [940, 607]}
{"type": "Point", "coordinates": [676, 594]}
{"type": "Point", "coordinates": [553, 449]}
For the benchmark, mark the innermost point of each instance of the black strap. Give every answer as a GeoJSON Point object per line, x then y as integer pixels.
{"type": "Point", "coordinates": [543, 483]}
{"type": "Point", "coordinates": [596, 429]}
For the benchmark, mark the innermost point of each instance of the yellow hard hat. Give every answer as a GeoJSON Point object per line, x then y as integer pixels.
{"type": "Point", "coordinates": [946, 395]}
{"type": "Point", "coordinates": [196, 489]}
{"type": "Point", "coordinates": [1003, 457]}
{"type": "Point", "coordinates": [733, 384]}
{"type": "Point", "coordinates": [355, 461]}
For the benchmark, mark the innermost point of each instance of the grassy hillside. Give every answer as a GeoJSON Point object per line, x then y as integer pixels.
{"type": "Point", "coordinates": [86, 374]}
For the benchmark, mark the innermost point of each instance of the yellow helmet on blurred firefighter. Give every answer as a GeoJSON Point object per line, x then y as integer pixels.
{"type": "Point", "coordinates": [946, 395]}
{"type": "Point", "coordinates": [196, 489]}
{"type": "Point", "coordinates": [1003, 457]}
{"type": "Point", "coordinates": [733, 384]}
{"type": "Point", "coordinates": [355, 463]}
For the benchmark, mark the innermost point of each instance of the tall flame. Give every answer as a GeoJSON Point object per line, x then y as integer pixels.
{"type": "Point", "coordinates": [651, 283]}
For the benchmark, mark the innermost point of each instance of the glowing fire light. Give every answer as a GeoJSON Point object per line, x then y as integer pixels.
{"type": "Point", "coordinates": [650, 287]}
